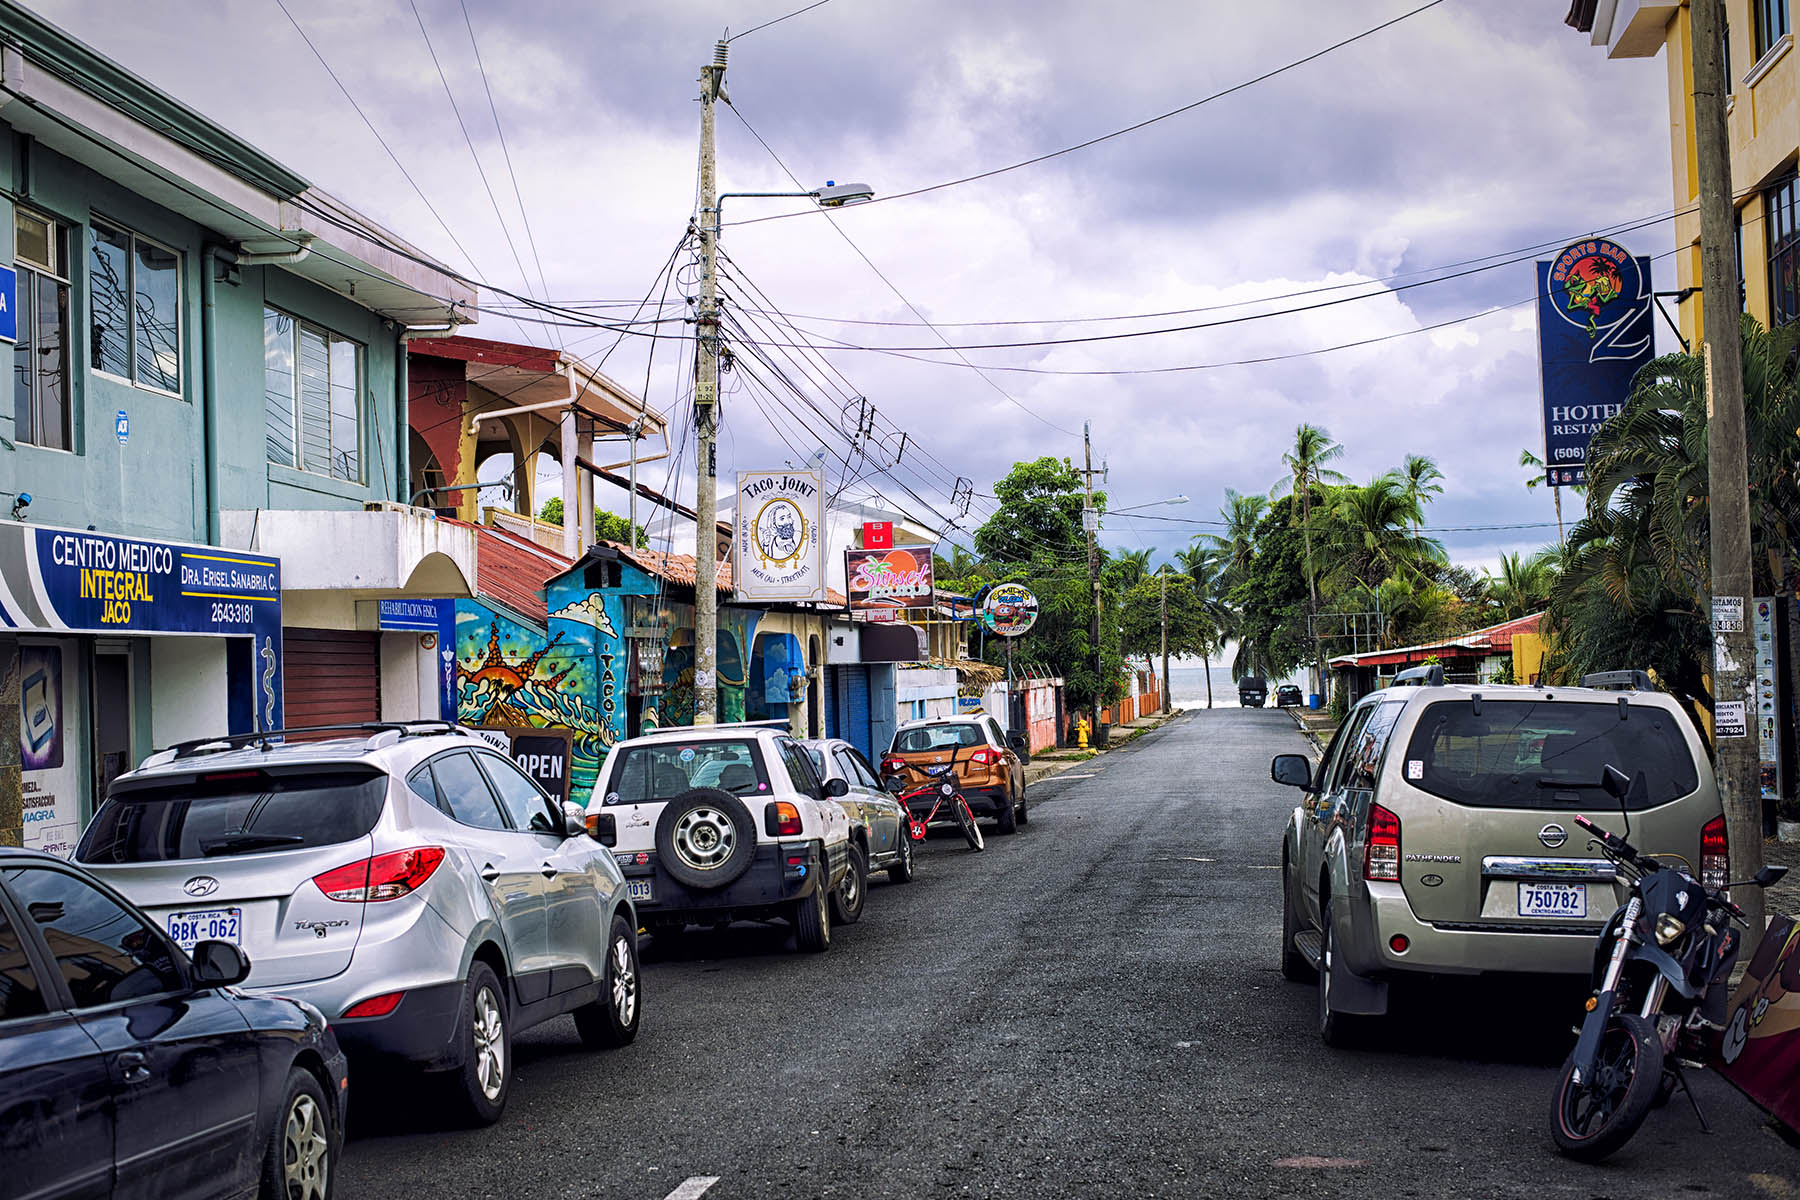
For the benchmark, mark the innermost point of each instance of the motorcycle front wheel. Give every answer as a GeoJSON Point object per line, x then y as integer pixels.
{"type": "Point", "coordinates": [965, 820]}
{"type": "Point", "coordinates": [1593, 1118]}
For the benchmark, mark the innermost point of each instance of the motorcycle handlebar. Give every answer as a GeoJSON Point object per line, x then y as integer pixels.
{"type": "Point", "coordinates": [1618, 846]}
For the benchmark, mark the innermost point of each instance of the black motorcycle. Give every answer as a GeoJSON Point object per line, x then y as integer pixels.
{"type": "Point", "coordinates": [1660, 989]}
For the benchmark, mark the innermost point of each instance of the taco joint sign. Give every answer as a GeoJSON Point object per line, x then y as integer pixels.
{"type": "Point", "coordinates": [775, 548]}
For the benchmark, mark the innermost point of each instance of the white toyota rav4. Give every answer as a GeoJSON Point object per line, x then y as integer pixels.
{"type": "Point", "coordinates": [723, 823]}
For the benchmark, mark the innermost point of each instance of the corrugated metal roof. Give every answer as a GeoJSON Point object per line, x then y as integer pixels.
{"type": "Point", "coordinates": [512, 569]}
{"type": "Point", "coordinates": [1493, 639]}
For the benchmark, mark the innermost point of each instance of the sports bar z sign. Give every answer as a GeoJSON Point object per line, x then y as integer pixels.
{"type": "Point", "coordinates": [1594, 332]}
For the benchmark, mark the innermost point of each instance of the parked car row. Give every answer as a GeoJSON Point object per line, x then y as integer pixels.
{"type": "Point", "coordinates": [247, 915]}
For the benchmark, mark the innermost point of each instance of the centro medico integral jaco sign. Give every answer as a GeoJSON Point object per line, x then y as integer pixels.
{"type": "Point", "coordinates": [1594, 332]}
{"type": "Point", "coordinates": [97, 582]}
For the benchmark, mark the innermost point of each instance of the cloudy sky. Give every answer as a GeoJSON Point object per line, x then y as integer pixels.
{"type": "Point", "coordinates": [1474, 130]}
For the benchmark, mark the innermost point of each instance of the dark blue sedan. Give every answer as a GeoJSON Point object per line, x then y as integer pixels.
{"type": "Point", "coordinates": [130, 1068]}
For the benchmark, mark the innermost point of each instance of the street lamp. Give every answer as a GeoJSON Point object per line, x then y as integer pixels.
{"type": "Point", "coordinates": [1177, 498]}
{"type": "Point", "coordinates": [706, 384]}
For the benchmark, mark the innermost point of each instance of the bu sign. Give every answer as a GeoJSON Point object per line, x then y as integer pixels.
{"type": "Point", "coordinates": [1594, 332]}
{"type": "Point", "coordinates": [889, 578]}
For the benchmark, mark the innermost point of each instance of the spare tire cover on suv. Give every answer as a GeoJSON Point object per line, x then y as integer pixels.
{"type": "Point", "coordinates": [705, 838]}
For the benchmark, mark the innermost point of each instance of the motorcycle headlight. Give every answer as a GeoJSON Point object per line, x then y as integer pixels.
{"type": "Point", "coordinates": [1668, 928]}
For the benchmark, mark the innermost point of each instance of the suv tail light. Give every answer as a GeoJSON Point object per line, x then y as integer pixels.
{"type": "Point", "coordinates": [782, 819]}
{"type": "Point", "coordinates": [985, 758]}
{"type": "Point", "coordinates": [1715, 854]}
{"type": "Point", "coordinates": [1381, 857]}
{"type": "Point", "coordinates": [893, 765]}
{"type": "Point", "coordinates": [384, 877]}
{"type": "Point", "coordinates": [374, 1006]}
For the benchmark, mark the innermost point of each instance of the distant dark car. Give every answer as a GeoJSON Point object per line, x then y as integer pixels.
{"type": "Point", "coordinates": [1253, 691]}
{"type": "Point", "coordinates": [1287, 696]}
{"type": "Point", "coordinates": [128, 1065]}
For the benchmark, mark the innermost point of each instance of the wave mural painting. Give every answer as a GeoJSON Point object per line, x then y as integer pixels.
{"type": "Point", "coordinates": [510, 674]}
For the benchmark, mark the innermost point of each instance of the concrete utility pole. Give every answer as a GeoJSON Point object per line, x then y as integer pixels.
{"type": "Point", "coordinates": [1163, 577]}
{"type": "Point", "coordinates": [1090, 521]}
{"type": "Point", "coordinates": [706, 410]}
{"type": "Point", "coordinates": [1727, 471]}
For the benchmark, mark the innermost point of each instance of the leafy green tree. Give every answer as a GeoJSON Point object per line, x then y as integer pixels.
{"type": "Point", "coordinates": [611, 527]}
{"type": "Point", "coordinates": [1313, 448]}
{"type": "Point", "coordinates": [1363, 533]}
{"type": "Point", "coordinates": [551, 512]}
{"type": "Point", "coordinates": [1523, 585]}
{"type": "Point", "coordinates": [1039, 514]}
{"type": "Point", "coordinates": [1270, 598]}
{"type": "Point", "coordinates": [1191, 632]}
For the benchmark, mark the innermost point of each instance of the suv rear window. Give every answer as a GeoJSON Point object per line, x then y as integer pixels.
{"type": "Point", "coordinates": [234, 812]}
{"type": "Point", "coordinates": [1545, 754]}
{"type": "Point", "coordinates": [937, 737]}
{"type": "Point", "coordinates": [664, 770]}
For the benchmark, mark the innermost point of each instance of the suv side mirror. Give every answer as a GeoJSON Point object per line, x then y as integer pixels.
{"type": "Point", "coordinates": [1295, 770]}
{"type": "Point", "coordinates": [836, 787]}
{"type": "Point", "coordinates": [218, 964]}
{"type": "Point", "coordinates": [574, 819]}
{"type": "Point", "coordinates": [1019, 745]}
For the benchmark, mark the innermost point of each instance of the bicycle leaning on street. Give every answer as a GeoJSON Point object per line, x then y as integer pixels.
{"type": "Point", "coordinates": [941, 792]}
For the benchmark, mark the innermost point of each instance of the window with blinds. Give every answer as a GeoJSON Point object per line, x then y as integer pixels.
{"type": "Point", "coordinates": [312, 385]}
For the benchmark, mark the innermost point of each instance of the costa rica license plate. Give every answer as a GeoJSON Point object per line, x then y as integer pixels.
{"type": "Point", "coordinates": [187, 929]}
{"type": "Point", "coordinates": [1552, 900]}
{"type": "Point", "coordinates": [640, 889]}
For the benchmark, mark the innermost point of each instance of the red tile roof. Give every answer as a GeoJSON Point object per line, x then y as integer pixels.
{"type": "Point", "coordinates": [513, 570]}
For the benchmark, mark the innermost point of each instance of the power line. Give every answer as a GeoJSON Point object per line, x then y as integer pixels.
{"type": "Point", "coordinates": [1133, 128]}
{"type": "Point", "coordinates": [870, 263]}
{"type": "Point", "coordinates": [417, 190]}
{"type": "Point", "coordinates": [468, 141]}
{"type": "Point", "coordinates": [778, 20]}
{"type": "Point", "coordinates": [506, 152]}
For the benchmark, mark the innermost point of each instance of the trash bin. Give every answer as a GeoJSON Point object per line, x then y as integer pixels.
{"type": "Point", "coordinates": [1315, 701]}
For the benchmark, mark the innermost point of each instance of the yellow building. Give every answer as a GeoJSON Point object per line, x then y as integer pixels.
{"type": "Point", "coordinates": [1763, 120]}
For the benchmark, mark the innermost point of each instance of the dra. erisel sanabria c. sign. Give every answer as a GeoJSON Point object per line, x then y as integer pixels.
{"type": "Point", "coordinates": [776, 549]}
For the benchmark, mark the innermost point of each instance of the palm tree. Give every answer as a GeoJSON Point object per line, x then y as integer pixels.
{"type": "Point", "coordinates": [1129, 569]}
{"type": "Point", "coordinates": [1238, 542]}
{"type": "Point", "coordinates": [1208, 572]}
{"type": "Point", "coordinates": [1524, 584]}
{"type": "Point", "coordinates": [1540, 474]}
{"type": "Point", "coordinates": [1365, 533]}
{"type": "Point", "coordinates": [1420, 475]}
{"type": "Point", "coordinates": [1313, 448]}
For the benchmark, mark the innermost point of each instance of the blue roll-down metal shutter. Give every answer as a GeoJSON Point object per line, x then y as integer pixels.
{"type": "Point", "coordinates": [857, 725]}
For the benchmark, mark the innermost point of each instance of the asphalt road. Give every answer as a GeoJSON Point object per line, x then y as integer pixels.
{"type": "Point", "coordinates": [1090, 1008]}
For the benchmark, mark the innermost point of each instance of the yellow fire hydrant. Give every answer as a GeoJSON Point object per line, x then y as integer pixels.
{"type": "Point", "coordinates": [1081, 733]}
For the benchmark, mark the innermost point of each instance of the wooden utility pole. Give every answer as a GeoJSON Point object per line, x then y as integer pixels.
{"type": "Point", "coordinates": [706, 410]}
{"type": "Point", "coordinates": [1163, 576]}
{"type": "Point", "coordinates": [1727, 471]}
{"type": "Point", "coordinates": [1090, 521]}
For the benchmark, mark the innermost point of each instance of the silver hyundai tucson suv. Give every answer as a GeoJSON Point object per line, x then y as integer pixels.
{"type": "Point", "coordinates": [406, 879]}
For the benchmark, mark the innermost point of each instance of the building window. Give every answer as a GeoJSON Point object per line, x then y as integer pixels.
{"type": "Point", "coordinates": [41, 399]}
{"type": "Point", "coordinates": [134, 298]}
{"type": "Point", "coordinates": [1771, 23]}
{"type": "Point", "coordinates": [312, 389]}
{"type": "Point", "coordinates": [1781, 209]}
